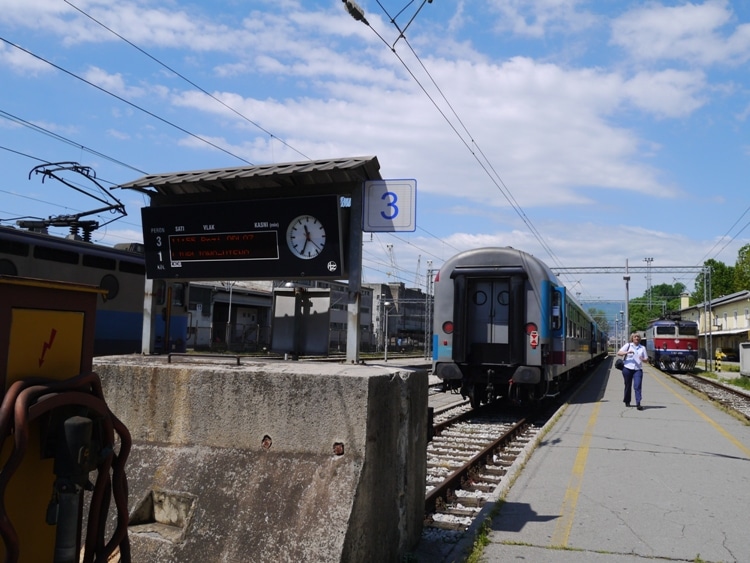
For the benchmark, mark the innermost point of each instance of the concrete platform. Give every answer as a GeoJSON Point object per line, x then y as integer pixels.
{"type": "Point", "coordinates": [270, 461]}
{"type": "Point", "coordinates": [613, 484]}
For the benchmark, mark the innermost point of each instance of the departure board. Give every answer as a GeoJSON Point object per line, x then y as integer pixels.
{"type": "Point", "coordinates": [285, 238]}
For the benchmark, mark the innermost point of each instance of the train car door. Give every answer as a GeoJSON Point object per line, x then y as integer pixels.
{"type": "Point", "coordinates": [492, 307]}
{"type": "Point", "coordinates": [487, 303]}
{"type": "Point", "coordinates": [488, 311]}
{"type": "Point", "coordinates": [558, 324]}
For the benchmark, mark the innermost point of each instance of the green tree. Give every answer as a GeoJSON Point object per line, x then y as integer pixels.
{"type": "Point", "coordinates": [722, 281]}
{"type": "Point", "coordinates": [662, 300]}
{"type": "Point", "coordinates": [640, 314]}
{"type": "Point", "coordinates": [742, 269]}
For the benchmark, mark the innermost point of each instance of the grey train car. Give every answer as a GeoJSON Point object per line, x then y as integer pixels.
{"type": "Point", "coordinates": [505, 327]}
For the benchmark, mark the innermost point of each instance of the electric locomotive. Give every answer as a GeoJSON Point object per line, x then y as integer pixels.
{"type": "Point", "coordinates": [672, 344]}
{"type": "Point", "coordinates": [121, 271]}
{"type": "Point", "coordinates": [504, 326]}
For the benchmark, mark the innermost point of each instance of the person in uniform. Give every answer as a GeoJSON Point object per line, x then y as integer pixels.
{"type": "Point", "coordinates": [634, 354]}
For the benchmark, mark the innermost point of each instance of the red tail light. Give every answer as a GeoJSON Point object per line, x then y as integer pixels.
{"type": "Point", "coordinates": [448, 327]}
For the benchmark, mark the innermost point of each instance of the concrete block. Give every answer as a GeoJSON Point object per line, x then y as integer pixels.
{"type": "Point", "coordinates": [271, 461]}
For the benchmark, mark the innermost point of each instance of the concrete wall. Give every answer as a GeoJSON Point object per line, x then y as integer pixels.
{"type": "Point", "coordinates": [274, 462]}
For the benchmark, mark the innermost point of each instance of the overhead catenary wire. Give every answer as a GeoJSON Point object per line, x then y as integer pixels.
{"type": "Point", "coordinates": [726, 234]}
{"type": "Point", "coordinates": [126, 101]}
{"type": "Point", "coordinates": [499, 183]}
{"type": "Point", "coordinates": [183, 77]}
{"type": "Point", "coordinates": [154, 115]}
{"type": "Point", "coordinates": [58, 137]}
{"type": "Point", "coordinates": [484, 162]}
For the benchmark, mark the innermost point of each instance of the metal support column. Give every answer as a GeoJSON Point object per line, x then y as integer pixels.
{"type": "Point", "coordinates": [355, 278]}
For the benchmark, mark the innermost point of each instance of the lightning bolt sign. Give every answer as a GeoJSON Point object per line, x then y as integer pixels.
{"type": "Point", "coordinates": [47, 345]}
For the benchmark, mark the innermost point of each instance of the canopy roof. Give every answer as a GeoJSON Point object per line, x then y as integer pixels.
{"type": "Point", "coordinates": [310, 177]}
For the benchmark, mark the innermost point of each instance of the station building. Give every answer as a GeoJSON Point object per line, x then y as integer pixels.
{"type": "Point", "coordinates": [238, 315]}
{"type": "Point", "coordinates": [723, 322]}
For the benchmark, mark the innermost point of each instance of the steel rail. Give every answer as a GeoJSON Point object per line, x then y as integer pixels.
{"type": "Point", "coordinates": [455, 479]}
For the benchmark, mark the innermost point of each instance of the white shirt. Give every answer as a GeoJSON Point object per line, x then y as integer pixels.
{"type": "Point", "coordinates": [635, 355]}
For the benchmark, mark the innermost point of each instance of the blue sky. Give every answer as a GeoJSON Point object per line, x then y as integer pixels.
{"type": "Point", "coordinates": [586, 133]}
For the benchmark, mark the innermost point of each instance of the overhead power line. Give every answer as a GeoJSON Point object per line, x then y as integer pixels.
{"type": "Point", "coordinates": [469, 140]}
{"type": "Point", "coordinates": [58, 137]}
{"type": "Point", "coordinates": [125, 101]}
{"type": "Point", "coordinates": [193, 84]}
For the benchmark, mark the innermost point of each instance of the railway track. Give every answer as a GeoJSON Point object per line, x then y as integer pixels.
{"type": "Point", "coordinates": [466, 461]}
{"type": "Point", "coordinates": [473, 455]}
{"type": "Point", "coordinates": [729, 397]}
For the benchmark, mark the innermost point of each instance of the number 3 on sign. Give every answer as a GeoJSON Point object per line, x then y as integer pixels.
{"type": "Point", "coordinates": [391, 211]}
{"type": "Point", "coordinates": [389, 206]}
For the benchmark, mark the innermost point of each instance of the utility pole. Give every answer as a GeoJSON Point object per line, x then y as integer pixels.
{"type": "Point", "coordinates": [626, 277]}
{"type": "Point", "coordinates": [429, 286]}
{"type": "Point", "coordinates": [648, 279]}
{"type": "Point", "coordinates": [392, 257]}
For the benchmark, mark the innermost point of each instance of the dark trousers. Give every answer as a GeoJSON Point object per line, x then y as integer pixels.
{"type": "Point", "coordinates": [633, 379]}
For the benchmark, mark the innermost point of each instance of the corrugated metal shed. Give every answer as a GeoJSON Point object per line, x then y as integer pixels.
{"type": "Point", "coordinates": [311, 177]}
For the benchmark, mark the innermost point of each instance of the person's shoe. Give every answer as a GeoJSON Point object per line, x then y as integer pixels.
{"type": "Point", "coordinates": [639, 407]}
{"type": "Point", "coordinates": [627, 404]}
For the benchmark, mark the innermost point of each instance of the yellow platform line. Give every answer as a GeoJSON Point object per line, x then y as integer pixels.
{"type": "Point", "coordinates": [567, 511]}
{"type": "Point", "coordinates": [564, 525]}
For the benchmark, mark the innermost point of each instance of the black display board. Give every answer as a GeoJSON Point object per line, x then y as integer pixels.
{"type": "Point", "coordinates": [295, 237]}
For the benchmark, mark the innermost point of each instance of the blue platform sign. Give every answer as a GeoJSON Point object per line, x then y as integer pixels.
{"type": "Point", "coordinates": [389, 206]}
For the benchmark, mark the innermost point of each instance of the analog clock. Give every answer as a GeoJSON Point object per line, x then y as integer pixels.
{"type": "Point", "coordinates": [306, 237]}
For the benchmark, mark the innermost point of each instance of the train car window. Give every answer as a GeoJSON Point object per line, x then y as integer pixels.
{"type": "Point", "coordinates": [133, 267]}
{"type": "Point", "coordinates": [56, 255]}
{"type": "Point", "coordinates": [160, 292]}
{"type": "Point", "coordinates": [8, 268]}
{"type": "Point", "coordinates": [13, 247]}
{"type": "Point", "coordinates": [101, 262]}
{"type": "Point", "coordinates": [557, 312]}
{"type": "Point", "coordinates": [479, 298]}
{"type": "Point", "coordinates": [503, 298]}
{"type": "Point", "coordinates": [178, 294]}
{"type": "Point", "coordinates": [665, 330]}
{"type": "Point", "coordinates": [689, 330]}
{"type": "Point", "coordinates": [110, 283]}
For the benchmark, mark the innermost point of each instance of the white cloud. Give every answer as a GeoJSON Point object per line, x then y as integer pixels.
{"type": "Point", "coordinates": [539, 18]}
{"type": "Point", "coordinates": [669, 93]}
{"type": "Point", "coordinates": [114, 83]}
{"type": "Point", "coordinates": [22, 62]}
{"type": "Point", "coordinates": [571, 140]}
{"type": "Point", "coordinates": [691, 33]}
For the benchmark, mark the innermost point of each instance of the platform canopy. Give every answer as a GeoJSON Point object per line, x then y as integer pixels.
{"type": "Point", "coordinates": [311, 177]}
{"type": "Point", "coordinates": [212, 237]}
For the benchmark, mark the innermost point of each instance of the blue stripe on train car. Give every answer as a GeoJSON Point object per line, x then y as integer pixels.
{"type": "Point", "coordinates": [545, 297]}
{"type": "Point", "coordinates": [118, 332]}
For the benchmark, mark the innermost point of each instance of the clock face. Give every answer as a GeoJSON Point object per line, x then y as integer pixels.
{"type": "Point", "coordinates": [306, 237]}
